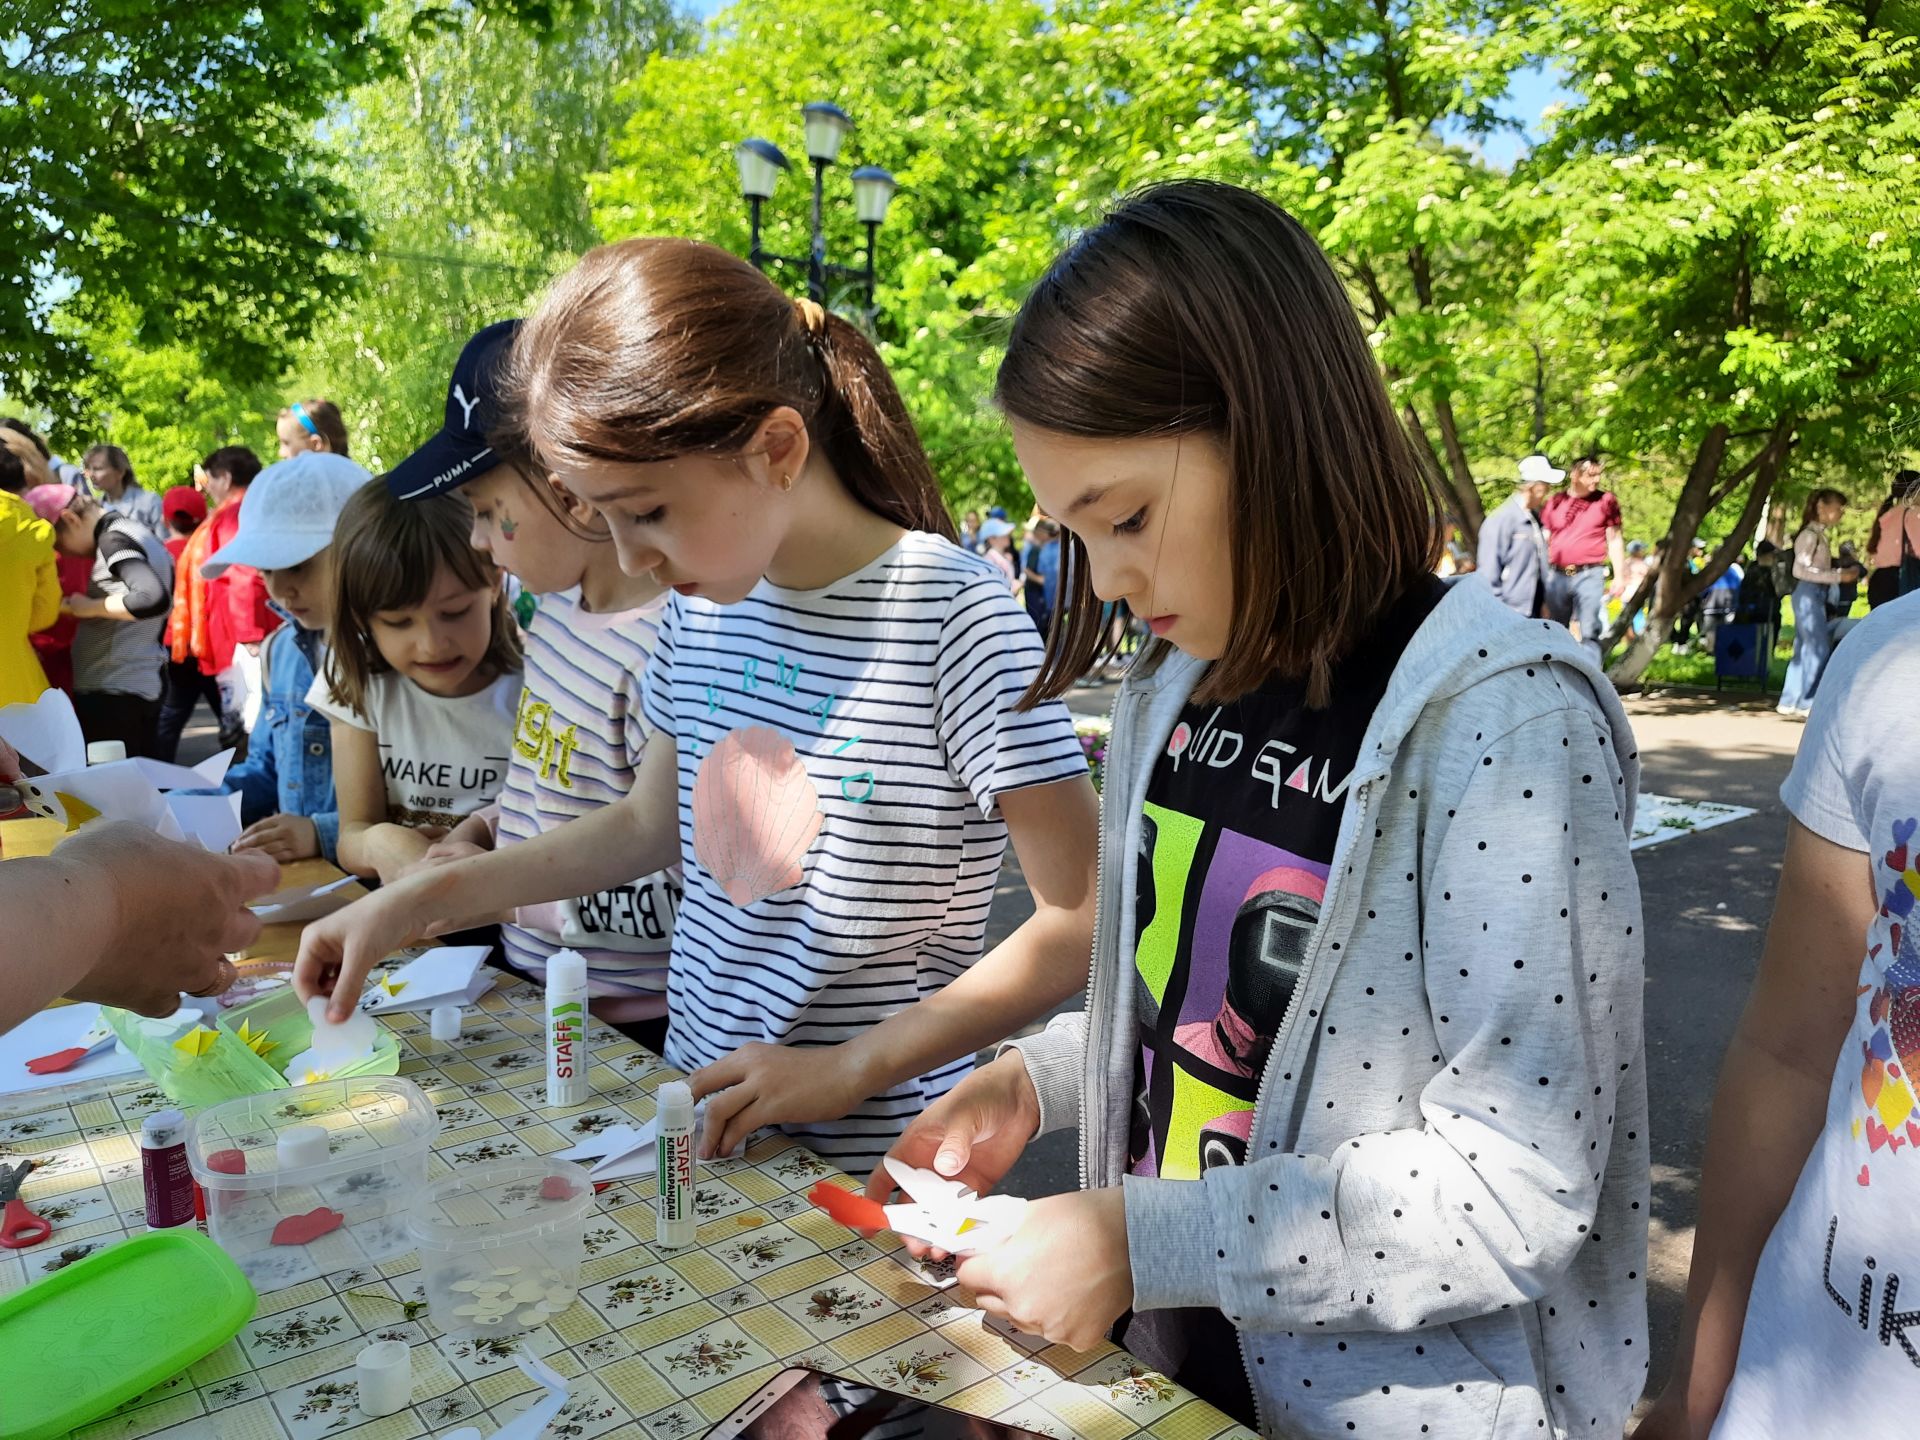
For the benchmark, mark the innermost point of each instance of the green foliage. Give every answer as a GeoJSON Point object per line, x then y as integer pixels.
{"type": "Point", "coordinates": [164, 175]}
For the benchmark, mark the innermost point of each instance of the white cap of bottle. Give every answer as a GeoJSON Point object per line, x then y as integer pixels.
{"type": "Point", "coordinates": [566, 970]}
{"type": "Point", "coordinates": [443, 1022]}
{"type": "Point", "coordinates": [384, 1373]}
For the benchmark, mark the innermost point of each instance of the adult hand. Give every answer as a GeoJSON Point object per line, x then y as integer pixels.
{"type": "Point", "coordinates": [12, 802]}
{"type": "Point", "coordinates": [972, 1134]}
{"type": "Point", "coordinates": [769, 1084]}
{"type": "Point", "coordinates": [174, 912]}
{"type": "Point", "coordinates": [1063, 1273]}
{"type": "Point", "coordinates": [283, 837]}
{"type": "Point", "coordinates": [337, 950]}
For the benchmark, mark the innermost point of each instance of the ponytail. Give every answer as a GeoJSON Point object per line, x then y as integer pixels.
{"type": "Point", "coordinates": [863, 426]}
{"type": "Point", "coordinates": [657, 348]}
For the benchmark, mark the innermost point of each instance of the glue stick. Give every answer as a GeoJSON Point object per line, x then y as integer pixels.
{"type": "Point", "coordinates": [566, 1029]}
{"type": "Point", "coordinates": [673, 1165]}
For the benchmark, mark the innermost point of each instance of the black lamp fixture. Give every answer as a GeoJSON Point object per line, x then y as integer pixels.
{"type": "Point", "coordinates": [826, 127]}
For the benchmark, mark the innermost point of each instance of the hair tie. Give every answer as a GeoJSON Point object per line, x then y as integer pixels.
{"type": "Point", "coordinates": [812, 316]}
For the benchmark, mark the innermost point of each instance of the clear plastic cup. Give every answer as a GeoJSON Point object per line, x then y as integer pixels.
{"type": "Point", "coordinates": [500, 1244]}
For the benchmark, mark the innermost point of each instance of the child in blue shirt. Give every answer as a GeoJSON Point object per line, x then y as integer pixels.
{"type": "Point", "coordinates": [286, 782]}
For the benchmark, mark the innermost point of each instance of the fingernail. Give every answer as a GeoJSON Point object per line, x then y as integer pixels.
{"type": "Point", "coordinates": [948, 1162]}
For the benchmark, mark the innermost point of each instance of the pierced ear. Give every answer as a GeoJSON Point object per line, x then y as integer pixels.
{"type": "Point", "coordinates": [781, 441]}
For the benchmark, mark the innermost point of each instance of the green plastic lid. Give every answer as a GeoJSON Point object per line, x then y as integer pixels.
{"type": "Point", "coordinates": [115, 1324]}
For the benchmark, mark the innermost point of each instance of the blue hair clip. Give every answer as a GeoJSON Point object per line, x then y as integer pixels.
{"type": "Point", "coordinates": [306, 423]}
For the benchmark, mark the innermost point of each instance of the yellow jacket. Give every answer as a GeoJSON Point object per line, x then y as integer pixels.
{"type": "Point", "coordinates": [29, 597]}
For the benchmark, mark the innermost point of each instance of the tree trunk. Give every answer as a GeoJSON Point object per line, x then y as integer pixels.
{"type": "Point", "coordinates": [1468, 515]}
{"type": "Point", "coordinates": [1461, 474]}
{"type": "Point", "coordinates": [1674, 587]}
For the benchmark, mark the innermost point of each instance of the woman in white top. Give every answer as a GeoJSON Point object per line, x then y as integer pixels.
{"type": "Point", "coordinates": [1813, 572]}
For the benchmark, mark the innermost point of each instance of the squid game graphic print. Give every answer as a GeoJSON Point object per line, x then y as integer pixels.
{"type": "Point", "coordinates": [1224, 925]}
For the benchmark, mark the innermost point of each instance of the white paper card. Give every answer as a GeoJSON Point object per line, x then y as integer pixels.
{"type": "Point", "coordinates": [52, 1030]}
{"type": "Point", "coordinates": [444, 975]}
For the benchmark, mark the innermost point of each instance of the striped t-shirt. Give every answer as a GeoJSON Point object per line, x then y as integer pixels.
{"type": "Point", "coordinates": [840, 755]}
{"type": "Point", "coordinates": [577, 740]}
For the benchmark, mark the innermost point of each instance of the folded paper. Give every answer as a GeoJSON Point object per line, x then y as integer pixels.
{"type": "Point", "coordinates": [444, 975]}
{"type": "Point", "coordinates": [941, 1212]}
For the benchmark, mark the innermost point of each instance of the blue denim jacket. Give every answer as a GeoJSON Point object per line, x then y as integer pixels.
{"type": "Point", "coordinates": [289, 764]}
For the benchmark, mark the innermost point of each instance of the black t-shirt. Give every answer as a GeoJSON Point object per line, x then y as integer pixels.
{"type": "Point", "coordinates": [1241, 819]}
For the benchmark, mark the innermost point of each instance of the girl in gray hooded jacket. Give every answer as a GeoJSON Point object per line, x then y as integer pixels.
{"type": "Point", "coordinates": [1359, 1075]}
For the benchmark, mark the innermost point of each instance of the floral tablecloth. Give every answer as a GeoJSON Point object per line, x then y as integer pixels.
{"type": "Point", "coordinates": [658, 1345]}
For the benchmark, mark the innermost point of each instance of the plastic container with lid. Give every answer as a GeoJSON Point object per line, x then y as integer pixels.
{"type": "Point", "coordinates": [500, 1245]}
{"type": "Point", "coordinates": [316, 1178]}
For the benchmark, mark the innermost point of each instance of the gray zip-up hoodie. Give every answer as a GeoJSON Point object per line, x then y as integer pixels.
{"type": "Point", "coordinates": [1441, 1226]}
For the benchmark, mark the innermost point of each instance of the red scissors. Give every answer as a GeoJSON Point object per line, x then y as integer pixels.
{"type": "Point", "coordinates": [19, 1226]}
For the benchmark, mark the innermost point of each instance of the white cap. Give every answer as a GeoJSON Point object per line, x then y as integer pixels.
{"type": "Point", "coordinates": [566, 970]}
{"type": "Point", "coordinates": [384, 1374]}
{"type": "Point", "coordinates": [673, 1095]}
{"type": "Point", "coordinates": [443, 1022]}
{"type": "Point", "coordinates": [105, 752]}
{"type": "Point", "coordinates": [289, 513]}
{"type": "Point", "coordinates": [1534, 470]}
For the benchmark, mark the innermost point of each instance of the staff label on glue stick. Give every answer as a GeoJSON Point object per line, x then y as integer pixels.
{"type": "Point", "coordinates": [673, 1165]}
{"type": "Point", "coordinates": [566, 1023]}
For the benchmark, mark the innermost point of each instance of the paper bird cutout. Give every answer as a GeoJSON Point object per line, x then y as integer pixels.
{"type": "Point", "coordinates": [443, 975]}
{"type": "Point", "coordinates": [256, 1040]}
{"type": "Point", "coordinates": [47, 732]}
{"type": "Point", "coordinates": [196, 1042]}
{"type": "Point", "coordinates": [943, 1213]}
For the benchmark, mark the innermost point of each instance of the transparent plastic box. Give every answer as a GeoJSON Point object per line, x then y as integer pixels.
{"type": "Point", "coordinates": [366, 1164]}
{"type": "Point", "coordinates": [500, 1244]}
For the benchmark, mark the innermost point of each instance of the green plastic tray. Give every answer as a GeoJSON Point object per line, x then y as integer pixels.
{"type": "Point", "coordinates": [108, 1327]}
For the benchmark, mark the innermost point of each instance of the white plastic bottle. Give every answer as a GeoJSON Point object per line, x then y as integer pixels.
{"type": "Point", "coordinates": [673, 1166]}
{"type": "Point", "coordinates": [566, 1029]}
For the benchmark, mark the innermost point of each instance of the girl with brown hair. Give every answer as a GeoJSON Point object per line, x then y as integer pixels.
{"type": "Point", "coordinates": [308, 425]}
{"type": "Point", "coordinates": [839, 758]}
{"type": "Point", "coordinates": [421, 677]}
{"type": "Point", "coordinates": [1358, 1078]}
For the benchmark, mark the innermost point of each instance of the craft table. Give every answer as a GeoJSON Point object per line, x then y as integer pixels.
{"type": "Point", "coordinates": [659, 1345]}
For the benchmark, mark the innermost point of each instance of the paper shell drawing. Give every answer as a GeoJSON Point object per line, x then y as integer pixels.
{"type": "Point", "coordinates": [755, 813]}
{"type": "Point", "coordinates": [47, 732]}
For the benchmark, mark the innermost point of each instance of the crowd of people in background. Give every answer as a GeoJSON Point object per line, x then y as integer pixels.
{"type": "Point", "coordinates": [1558, 554]}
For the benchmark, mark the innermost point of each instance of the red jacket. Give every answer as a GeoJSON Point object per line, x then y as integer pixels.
{"type": "Point", "coordinates": [231, 610]}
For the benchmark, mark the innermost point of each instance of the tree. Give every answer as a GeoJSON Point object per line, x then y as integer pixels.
{"type": "Point", "coordinates": [1007, 122]}
{"type": "Point", "coordinates": [1737, 196]}
{"type": "Point", "coordinates": [469, 160]}
{"type": "Point", "coordinates": [165, 173]}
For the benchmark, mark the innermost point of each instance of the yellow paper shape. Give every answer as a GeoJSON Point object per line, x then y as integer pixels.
{"type": "Point", "coordinates": [78, 811]}
{"type": "Point", "coordinates": [391, 986]}
{"type": "Point", "coordinates": [256, 1040]}
{"type": "Point", "coordinates": [196, 1042]}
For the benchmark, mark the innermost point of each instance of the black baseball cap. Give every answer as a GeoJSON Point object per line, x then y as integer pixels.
{"type": "Point", "coordinates": [460, 451]}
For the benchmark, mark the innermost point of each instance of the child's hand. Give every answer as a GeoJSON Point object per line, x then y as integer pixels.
{"type": "Point", "coordinates": [283, 837]}
{"type": "Point", "coordinates": [1064, 1273]}
{"type": "Point", "coordinates": [972, 1134]}
{"type": "Point", "coordinates": [83, 607]}
{"type": "Point", "coordinates": [337, 950]}
{"type": "Point", "coordinates": [769, 1084]}
{"type": "Point", "coordinates": [443, 852]}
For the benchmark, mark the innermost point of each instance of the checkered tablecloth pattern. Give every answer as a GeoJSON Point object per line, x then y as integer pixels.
{"type": "Point", "coordinates": [658, 1345]}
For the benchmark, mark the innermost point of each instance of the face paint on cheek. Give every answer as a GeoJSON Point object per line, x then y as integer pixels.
{"type": "Point", "coordinates": [507, 527]}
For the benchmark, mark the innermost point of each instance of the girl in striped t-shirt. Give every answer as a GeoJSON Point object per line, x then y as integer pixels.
{"type": "Point", "coordinates": [840, 761]}
{"type": "Point", "coordinates": [578, 735]}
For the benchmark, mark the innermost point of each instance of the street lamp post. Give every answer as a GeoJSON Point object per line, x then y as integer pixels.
{"type": "Point", "coordinates": [760, 162]}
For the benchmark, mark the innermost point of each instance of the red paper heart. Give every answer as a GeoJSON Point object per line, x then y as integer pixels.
{"type": "Point", "coordinates": [1863, 1175]}
{"type": "Point", "coordinates": [56, 1062]}
{"type": "Point", "coordinates": [299, 1229]}
{"type": "Point", "coordinates": [228, 1162]}
{"type": "Point", "coordinates": [556, 1187]}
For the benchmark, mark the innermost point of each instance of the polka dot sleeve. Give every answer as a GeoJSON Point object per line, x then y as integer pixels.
{"type": "Point", "coordinates": [1532, 968]}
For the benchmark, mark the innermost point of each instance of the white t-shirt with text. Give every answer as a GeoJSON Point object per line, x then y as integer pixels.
{"type": "Point", "coordinates": [442, 758]}
{"type": "Point", "coordinates": [1831, 1344]}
